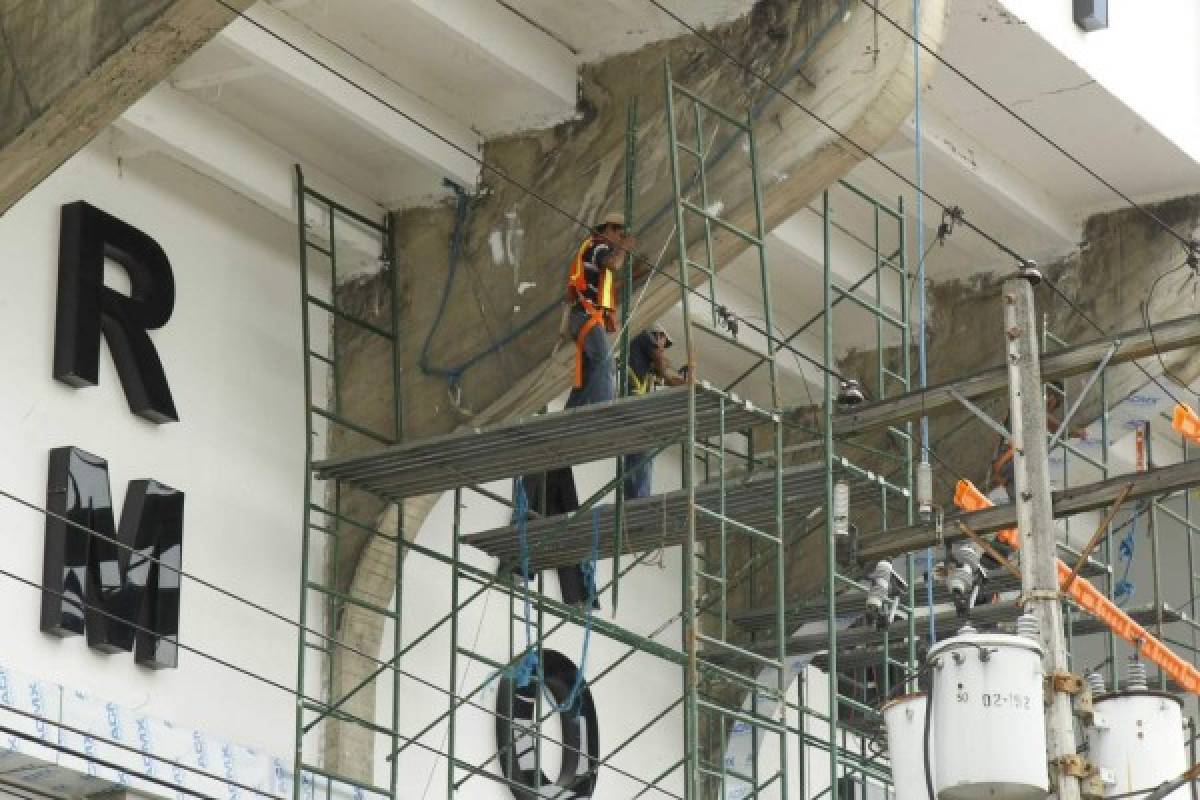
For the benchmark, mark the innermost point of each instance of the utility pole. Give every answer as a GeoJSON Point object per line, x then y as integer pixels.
{"type": "Point", "coordinates": [1035, 521]}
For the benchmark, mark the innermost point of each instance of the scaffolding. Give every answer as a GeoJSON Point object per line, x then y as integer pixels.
{"type": "Point", "coordinates": [773, 658]}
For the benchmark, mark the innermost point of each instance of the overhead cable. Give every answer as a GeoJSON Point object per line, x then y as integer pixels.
{"type": "Point", "coordinates": [775, 87]}
{"type": "Point", "coordinates": [1188, 244]}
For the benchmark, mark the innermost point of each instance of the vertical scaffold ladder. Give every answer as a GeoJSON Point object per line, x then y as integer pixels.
{"type": "Point", "coordinates": [324, 226]}
{"type": "Point", "coordinates": [848, 760]}
{"type": "Point", "coordinates": [714, 710]}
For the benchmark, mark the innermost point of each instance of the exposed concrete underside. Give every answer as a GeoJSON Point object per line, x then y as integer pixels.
{"type": "Point", "coordinates": [578, 167]}
{"type": "Point", "coordinates": [1109, 278]}
{"type": "Point", "coordinates": [70, 67]}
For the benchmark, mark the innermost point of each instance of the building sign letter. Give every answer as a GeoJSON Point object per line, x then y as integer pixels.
{"type": "Point", "coordinates": [87, 308]}
{"type": "Point", "coordinates": [100, 578]}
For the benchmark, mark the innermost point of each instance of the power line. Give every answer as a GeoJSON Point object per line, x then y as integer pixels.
{"type": "Point", "coordinates": [152, 559]}
{"type": "Point", "coordinates": [483, 163]}
{"type": "Point", "coordinates": [1187, 243]}
{"type": "Point", "coordinates": [297, 693]}
{"type": "Point", "coordinates": [130, 749]}
{"type": "Point", "coordinates": [1077, 310]}
{"type": "Point", "coordinates": [1192, 247]}
{"type": "Point", "coordinates": [766, 81]}
{"type": "Point", "coordinates": [1150, 327]}
{"type": "Point", "coordinates": [60, 748]}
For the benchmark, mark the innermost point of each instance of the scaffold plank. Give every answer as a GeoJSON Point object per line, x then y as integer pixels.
{"type": "Point", "coordinates": [661, 521]}
{"type": "Point", "coordinates": [1058, 364]}
{"type": "Point", "coordinates": [540, 443]}
{"type": "Point", "coordinates": [1073, 500]}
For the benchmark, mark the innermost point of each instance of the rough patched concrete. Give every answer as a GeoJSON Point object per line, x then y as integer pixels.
{"type": "Point", "coordinates": [578, 167]}
{"type": "Point", "coordinates": [70, 67]}
{"type": "Point", "coordinates": [1109, 278]}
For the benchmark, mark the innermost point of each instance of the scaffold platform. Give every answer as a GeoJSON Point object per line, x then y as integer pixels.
{"type": "Point", "coordinates": [661, 521]}
{"type": "Point", "coordinates": [540, 443]}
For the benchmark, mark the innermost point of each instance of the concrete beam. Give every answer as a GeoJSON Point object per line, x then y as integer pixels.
{"type": "Point", "coordinates": [525, 52]}
{"type": "Point", "coordinates": [214, 145]}
{"type": "Point", "coordinates": [62, 83]}
{"type": "Point", "coordinates": [408, 129]}
{"type": "Point", "coordinates": [945, 143]}
{"type": "Point", "coordinates": [219, 77]}
{"type": "Point", "coordinates": [579, 164]}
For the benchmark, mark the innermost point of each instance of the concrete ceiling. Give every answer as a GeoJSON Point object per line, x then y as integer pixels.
{"type": "Point", "coordinates": [255, 101]}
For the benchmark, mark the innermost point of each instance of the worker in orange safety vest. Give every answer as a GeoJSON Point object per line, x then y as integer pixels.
{"type": "Point", "coordinates": [592, 288]}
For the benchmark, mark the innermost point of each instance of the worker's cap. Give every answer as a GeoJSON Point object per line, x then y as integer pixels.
{"type": "Point", "coordinates": [611, 218]}
{"type": "Point", "coordinates": [659, 329]}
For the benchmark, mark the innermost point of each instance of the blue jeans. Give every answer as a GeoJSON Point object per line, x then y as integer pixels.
{"type": "Point", "coordinates": [599, 385]}
{"type": "Point", "coordinates": [639, 475]}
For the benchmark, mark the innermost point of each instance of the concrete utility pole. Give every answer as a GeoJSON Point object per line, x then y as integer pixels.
{"type": "Point", "coordinates": [1035, 519]}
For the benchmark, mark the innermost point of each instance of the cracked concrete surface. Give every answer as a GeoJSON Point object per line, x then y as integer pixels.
{"type": "Point", "coordinates": [70, 67]}
{"type": "Point", "coordinates": [578, 167]}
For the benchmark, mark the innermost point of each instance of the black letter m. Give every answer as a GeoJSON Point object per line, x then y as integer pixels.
{"type": "Point", "coordinates": [86, 307]}
{"type": "Point", "coordinates": [101, 579]}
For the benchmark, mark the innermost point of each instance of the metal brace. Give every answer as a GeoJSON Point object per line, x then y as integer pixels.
{"type": "Point", "coordinates": [1060, 683]}
{"type": "Point", "coordinates": [1064, 683]}
{"type": "Point", "coordinates": [1074, 766]}
{"type": "Point", "coordinates": [980, 413]}
{"type": "Point", "coordinates": [1091, 779]}
{"type": "Point", "coordinates": [1091, 381]}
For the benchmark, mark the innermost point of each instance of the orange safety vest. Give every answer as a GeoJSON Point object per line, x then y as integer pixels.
{"type": "Point", "coordinates": [600, 312]}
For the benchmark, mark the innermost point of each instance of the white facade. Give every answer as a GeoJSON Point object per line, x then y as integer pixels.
{"type": "Point", "coordinates": [232, 356]}
{"type": "Point", "coordinates": [1147, 57]}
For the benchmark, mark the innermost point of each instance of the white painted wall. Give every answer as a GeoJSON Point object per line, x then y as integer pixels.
{"type": "Point", "coordinates": [232, 355]}
{"type": "Point", "coordinates": [626, 699]}
{"type": "Point", "coordinates": [1147, 57]}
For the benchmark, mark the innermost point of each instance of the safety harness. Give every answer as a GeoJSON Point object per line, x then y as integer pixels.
{"type": "Point", "coordinates": [601, 311]}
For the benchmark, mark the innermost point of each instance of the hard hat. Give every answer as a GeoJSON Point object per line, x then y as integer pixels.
{"type": "Point", "coordinates": [612, 218]}
{"type": "Point", "coordinates": [659, 329]}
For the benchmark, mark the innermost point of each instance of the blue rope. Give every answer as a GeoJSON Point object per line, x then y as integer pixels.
{"type": "Point", "coordinates": [454, 374]}
{"type": "Point", "coordinates": [573, 705]}
{"type": "Point", "coordinates": [1125, 589]}
{"type": "Point", "coordinates": [525, 670]}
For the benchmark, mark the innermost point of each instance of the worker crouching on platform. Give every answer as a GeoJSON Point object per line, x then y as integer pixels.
{"type": "Point", "coordinates": [648, 368]}
{"type": "Point", "coordinates": [1001, 476]}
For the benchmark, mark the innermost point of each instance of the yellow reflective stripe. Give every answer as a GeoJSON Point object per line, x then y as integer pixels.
{"type": "Point", "coordinates": [638, 386]}
{"type": "Point", "coordinates": [604, 295]}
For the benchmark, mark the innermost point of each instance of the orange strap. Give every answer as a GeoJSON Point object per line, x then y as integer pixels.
{"type": "Point", "coordinates": [595, 317]}
{"type": "Point", "coordinates": [1092, 600]}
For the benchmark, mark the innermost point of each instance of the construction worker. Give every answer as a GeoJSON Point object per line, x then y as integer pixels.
{"type": "Point", "coordinates": [1000, 474]}
{"type": "Point", "coordinates": [648, 368]}
{"type": "Point", "coordinates": [592, 290]}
